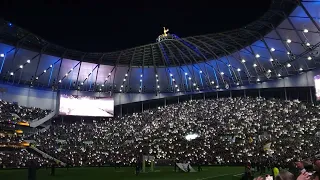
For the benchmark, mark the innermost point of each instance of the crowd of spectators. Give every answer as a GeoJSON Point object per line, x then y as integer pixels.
{"type": "Point", "coordinates": [226, 131]}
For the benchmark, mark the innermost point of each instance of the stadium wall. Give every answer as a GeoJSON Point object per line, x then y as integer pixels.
{"type": "Point", "coordinates": [46, 99]}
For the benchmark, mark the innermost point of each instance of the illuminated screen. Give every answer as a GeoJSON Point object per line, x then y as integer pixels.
{"type": "Point", "coordinates": [86, 106]}
{"type": "Point", "coordinates": [317, 86]}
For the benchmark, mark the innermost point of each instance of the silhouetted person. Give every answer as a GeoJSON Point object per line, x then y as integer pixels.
{"type": "Point", "coordinates": [188, 167]}
{"type": "Point", "coordinates": [32, 170]}
{"type": "Point", "coordinates": [53, 169]}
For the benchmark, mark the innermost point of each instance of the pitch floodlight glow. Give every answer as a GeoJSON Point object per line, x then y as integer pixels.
{"type": "Point", "coordinates": [243, 60]}
{"type": "Point", "coordinates": [1, 55]}
{"type": "Point", "coordinates": [238, 69]}
{"type": "Point", "coordinates": [21, 66]}
{"type": "Point", "coordinates": [255, 65]}
{"type": "Point", "coordinates": [288, 41]}
{"type": "Point", "coordinates": [288, 65]}
{"type": "Point", "coordinates": [272, 49]}
{"type": "Point", "coordinates": [222, 73]}
{"type": "Point", "coordinates": [11, 74]}
{"type": "Point", "coordinates": [257, 55]}
{"type": "Point", "coordinates": [309, 58]}
{"type": "Point", "coordinates": [45, 71]}
{"type": "Point", "coordinates": [28, 61]}
{"type": "Point", "coordinates": [51, 65]}
{"type": "Point", "coordinates": [185, 73]}
{"type": "Point", "coordinates": [308, 44]}
{"type": "Point", "coordinates": [126, 75]}
{"type": "Point", "coordinates": [305, 30]}
{"type": "Point", "coordinates": [271, 59]}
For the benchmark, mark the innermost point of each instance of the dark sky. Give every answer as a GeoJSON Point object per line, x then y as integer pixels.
{"type": "Point", "coordinates": [109, 25]}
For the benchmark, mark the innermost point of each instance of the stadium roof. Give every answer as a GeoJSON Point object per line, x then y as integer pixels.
{"type": "Point", "coordinates": [283, 42]}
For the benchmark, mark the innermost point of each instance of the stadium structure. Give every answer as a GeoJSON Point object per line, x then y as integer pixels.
{"type": "Point", "coordinates": [280, 51]}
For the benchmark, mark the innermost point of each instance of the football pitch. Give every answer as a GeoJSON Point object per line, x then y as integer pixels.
{"type": "Point", "coordinates": [126, 173]}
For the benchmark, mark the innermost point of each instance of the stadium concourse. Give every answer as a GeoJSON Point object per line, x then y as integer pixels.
{"type": "Point", "coordinates": [58, 106]}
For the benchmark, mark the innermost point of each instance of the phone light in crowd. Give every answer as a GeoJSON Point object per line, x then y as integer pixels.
{"type": "Point", "coordinates": [1, 55]}
{"type": "Point", "coordinates": [269, 71]}
{"type": "Point", "coordinates": [190, 137]}
{"type": "Point", "coordinates": [288, 52]}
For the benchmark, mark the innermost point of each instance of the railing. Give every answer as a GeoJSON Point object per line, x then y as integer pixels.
{"type": "Point", "coordinates": [38, 122]}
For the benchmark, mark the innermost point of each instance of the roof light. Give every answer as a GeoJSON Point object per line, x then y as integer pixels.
{"type": "Point", "coordinates": [197, 89]}
{"type": "Point", "coordinates": [257, 55]}
{"type": "Point", "coordinates": [102, 85]}
{"type": "Point", "coordinates": [212, 82]}
{"type": "Point", "coordinates": [28, 61]}
{"type": "Point", "coordinates": [288, 52]}
{"type": "Point", "coordinates": [45, 71]}
{"type": "Point", "coordinates": [189, 78]}
{"type": "Point", "coordinates": [140, 80]}
{"type": "Point", "coordinates": [158, 86]}
{"type": "Point", "coordinates": [157, 80]}
{"type": "Point", "coordinates": [37, 77]}
{"type": "Point", "coordinates": [300, 69]}
{"type": "Point", "coordinates": [305, 30]}
{"type": "Point", "coordinates": [1, 55]}
{"type": "Point", "coordinates": [156, 75]}
{"type": "Point", "coordinates": [288, 65]}
{"type": "Point", "coordinates": [11, 73]}
{"type": "Point", "coordinates": [271, 59]}
{"type": "Point", "coordinates": [237, 83]}
{"type": "Point", "coordinates": [141, 75]}
{"type": "Point", "coordinates": [178, 90]}
{"type": "Point", "coordinates": [258, 79]}
{"type": "Point", "coordinates": [21, 66]}
{"type": "Point", "coordinates": [308, 44]}
{"type": "Point", "coordinates": [194, 84]}
{"type": "Point", "coordinates": [109, 74]}
{"type": "Point", "coordinates": [60, 81]}
{"type": "Point", "coordinates": [120, 90]}
{"type": "Point", "coordinates": [175, 85]}
{"type": "Point", "coordinates": [272, 49]}
{"type": "Point", "coordinates": [200, 71]}
{"type": "Point", "coordinates": [238, 69]}
{"type": "Point", "coordinates": [255, 65]}
{"type": "Point", "coordinates": [279, 75]}
{"type": "Point", "coordinates": [122, 86]}
{"type": "Point", "coordinates": [126, 75]}
{"type": "Point", "coordinates": [173, 79]}
{"type": "Point", "coordinates": [269, 71]}
{"type": "Point", "coordinates": [243, 60]}
{"type": "Point", "coordinates": [124, 79]}
{"type": "Point", "coordinates": [171, 75]}
{"type": "Point", "coordinates": [288, 41]}
{"type": "Point", "coordinates": [67, 74]}
{"type": "Point", "coordinates": [100, 89]}
{"type": "Point", "coordinates": [229, 65]}
{"type": "Point", "coordinates": [309, 58]}
{"type": "Point", "coordinates": [222, 73]}
{"type": "Point", "coordinates": [217, 87]}
{"type": "Point", "coordinates": [81, 83]}
{"type": "Point", "coordinates": [51, 65]}
{"type": "Point", "coordinates": [185, 73]}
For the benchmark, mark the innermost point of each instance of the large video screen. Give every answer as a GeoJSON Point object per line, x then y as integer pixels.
{"type": "Point", "coordinates": [86, 106]}
{"type": "Point", "coordinates": [317, 86]}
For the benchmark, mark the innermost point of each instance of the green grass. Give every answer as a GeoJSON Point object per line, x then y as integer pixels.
{"type": "Point", "coordinates": [126, 173]}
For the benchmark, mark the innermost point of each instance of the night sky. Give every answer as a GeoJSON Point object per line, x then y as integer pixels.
{"type": "Point", "coordinates": [103, 26]}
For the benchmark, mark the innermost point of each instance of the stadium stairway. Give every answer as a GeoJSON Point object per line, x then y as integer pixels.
{"type": "Point", "coordinates": [38, 122]}
{"type": "Point", "coordinates": [45, 155]}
